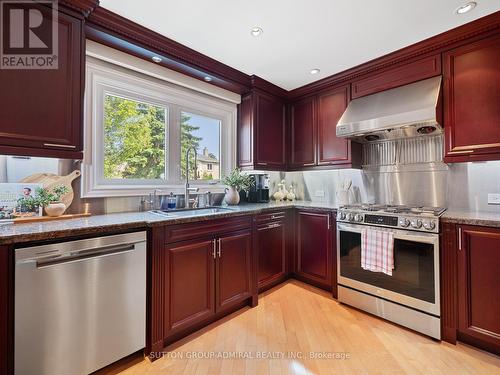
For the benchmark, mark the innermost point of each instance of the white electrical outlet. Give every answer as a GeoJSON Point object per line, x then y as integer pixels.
{"type": "Point", "coordinates": [319, 193]}
{"type": "Point", "coordinates": [493, 198]}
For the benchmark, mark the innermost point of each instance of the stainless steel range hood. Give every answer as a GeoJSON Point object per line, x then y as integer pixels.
{"type": "Point", "coordinates": [407, 111]}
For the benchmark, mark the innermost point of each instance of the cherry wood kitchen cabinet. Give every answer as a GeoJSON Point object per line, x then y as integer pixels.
{"type": "Point", "coordinates": [314, 141]}
{"type": "Point", "coordinates": [200, 271]}
{"type": "Point", "coordinates": [233, 269]}
{"type": "Point", "coordinates": [261, 132]}
{"type": "Point", "coordinates": [333, 150]}
{"type": "Point", "coordinates": [478, 281]}
{"type": "Point", "coordinates": [303, 133]}
{"type": "Point", "coordinates": [43, 108]}
{"type": "Point", "coordinates": [389, 78]}
{"type": "Point", "coordinates": [471, 101]}
{"type": "Point", "coordinates": [6, 310]}
{"type": "Point", "coordinates": [271, 248]}
{"type": "Point", "coordinates": [314, 247]}
{"type": "Point", "coordinates": [189, 283]}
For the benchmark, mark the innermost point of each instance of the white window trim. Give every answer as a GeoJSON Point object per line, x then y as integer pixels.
{"type": "Point", "coordinates": [103, 77]}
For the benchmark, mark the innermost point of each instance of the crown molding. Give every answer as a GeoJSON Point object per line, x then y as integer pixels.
{"type": "Point", "coordinates": [85, 7]}
{"type": "Point", "coordinates": [438, 43]}
{"type": "Point", "coordinates": [127, 35]}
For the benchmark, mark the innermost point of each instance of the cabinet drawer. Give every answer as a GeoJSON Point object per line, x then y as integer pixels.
{"type": "Point", "coordinates": [270, 216]}
{"type": "Point", "coordinates": [181, 232]}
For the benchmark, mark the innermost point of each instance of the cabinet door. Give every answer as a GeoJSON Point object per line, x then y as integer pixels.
{"type": "Point", "coordinates": [478, 282]}
{"type": "Point", "coordinates": [269, 131]}
{"type": "Point", "coordinates": [189, 284]}
{"type": "Point", "coordinates": [303, 133]}
{"type": "Point", "coordinates": [234, 269]}
{"type": "Point", "coordinates": [471, 101]}
{"type": "Point", "coordinates": [44, 115]}
{"type": "Point", "coordinates": [246, 131]}
{"type": "Point", "coordinates": [314, 247]}
{"type": "Point", "coordinates": [271, 247]}
{"type": "Point", "coordinates": [331, 106]}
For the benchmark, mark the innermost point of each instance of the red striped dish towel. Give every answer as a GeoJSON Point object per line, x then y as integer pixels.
{"type": "Point", "coordinates": [377, 251]}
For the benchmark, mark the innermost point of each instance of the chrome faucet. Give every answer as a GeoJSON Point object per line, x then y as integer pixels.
{"type": "Point", "coordinates": [188, 188]}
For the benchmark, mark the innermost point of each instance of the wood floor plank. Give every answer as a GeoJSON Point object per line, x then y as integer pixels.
{"type": "Point", "coordinates": [297, 318]}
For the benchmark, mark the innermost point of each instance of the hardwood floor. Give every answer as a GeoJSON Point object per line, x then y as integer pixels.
{"type": "Point", "coordinates": [297, 318]}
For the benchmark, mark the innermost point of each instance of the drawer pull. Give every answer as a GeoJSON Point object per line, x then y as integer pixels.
{"type": "Point", "coordinates": [459, 238]}
{"type": "Point", "coordinates": [58, 145]}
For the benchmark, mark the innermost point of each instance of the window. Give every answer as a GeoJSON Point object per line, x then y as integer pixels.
{"type": "Point", "coordinates": [139, 129]}
{"type": "Point", "coordinates": [134, 139]}
{"type": "Point", "coordinates": [202, 133]}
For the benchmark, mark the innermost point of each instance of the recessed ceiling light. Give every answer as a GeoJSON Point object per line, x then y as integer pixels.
{"type": "Point", "coordinates": [466, 8]}
{"type": "Point", "coordinates": [207, 78]}
{"type": "Point", "coordinates": [256, 31]}
{"type": "Point", "coordinates": [156, 59]}
{"type": "Point", "coordinates": [315, 71]}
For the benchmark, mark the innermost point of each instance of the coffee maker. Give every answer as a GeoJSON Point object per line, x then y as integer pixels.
{"type": "Point", "coordinates": [259, 191]}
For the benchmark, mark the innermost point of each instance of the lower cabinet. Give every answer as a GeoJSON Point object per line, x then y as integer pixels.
{"type": "Point", "coordinates": [271, 247]}
{"type": "Point", "coordinates": [478, 282]}
{"type": "Point", "coordinates": [189, 284]}
{"type": "Point", "coordinates": [314, 247]}
{"type": "Point", "coordinates": [233, 269]}
{"type": "Point", "coordinates": [205, 276]}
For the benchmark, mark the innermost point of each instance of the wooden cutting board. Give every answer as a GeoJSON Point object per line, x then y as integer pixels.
{"type": "Point", "coordinates": [51, 180]}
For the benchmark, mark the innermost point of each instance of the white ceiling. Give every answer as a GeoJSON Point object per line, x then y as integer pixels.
{"type": "Point", "coordinates": [299, 35]}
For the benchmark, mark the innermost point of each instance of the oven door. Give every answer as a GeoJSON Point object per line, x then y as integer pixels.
{"type": "Point", "coordinates": [415, 278]}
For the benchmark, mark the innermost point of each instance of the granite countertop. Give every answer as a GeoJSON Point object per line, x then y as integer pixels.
{"type": "Point", "coordinates": [487, 219]}
{"type": "Point", "coordinates": [20, 233]}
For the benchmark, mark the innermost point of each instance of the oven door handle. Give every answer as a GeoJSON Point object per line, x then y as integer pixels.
{"type": "Point", "coordinates": [431, 238]}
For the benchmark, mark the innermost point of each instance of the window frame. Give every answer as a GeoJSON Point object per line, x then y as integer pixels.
{"type": "Point", "coordinates": [106, 78]}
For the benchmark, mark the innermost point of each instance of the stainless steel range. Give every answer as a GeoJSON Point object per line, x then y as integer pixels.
{"type": "Point", "coordinates": [410, 296]}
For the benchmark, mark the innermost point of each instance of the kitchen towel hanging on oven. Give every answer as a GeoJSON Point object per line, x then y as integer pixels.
{"type": "Point", "coordinates": [377, 251]}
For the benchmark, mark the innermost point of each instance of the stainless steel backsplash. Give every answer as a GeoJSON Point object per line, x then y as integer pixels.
{"type": "Point", "coordinates": [462, 186]}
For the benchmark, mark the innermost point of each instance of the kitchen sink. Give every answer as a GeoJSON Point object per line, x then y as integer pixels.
{"type": "Point", "coordinates": [192, 211]}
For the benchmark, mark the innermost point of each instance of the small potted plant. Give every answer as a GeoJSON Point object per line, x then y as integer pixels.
{"type": "Point", "coordinates": [235, 182]}
{"type": "Point", "coordinates": [51, 200]}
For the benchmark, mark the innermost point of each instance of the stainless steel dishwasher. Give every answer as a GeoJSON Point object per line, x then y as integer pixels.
{"type": "Point", "coordinates": [79, 305]}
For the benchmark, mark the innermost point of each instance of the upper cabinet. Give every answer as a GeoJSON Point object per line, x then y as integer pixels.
{"type": "Point", "coordinates": [43, 108]}
{"type": "Point", "coordinates": [313, 132]}
{"type": "Point", "coordinates": [303, 133]}
{"type": "Point", "coordinates": [397, 76]}
{"type": "Point", "coordinates": [261, 132]}
{"type": "Point", "coordinates": [332, 149]}
{"type": "Point", "coordinates": [472, 101]}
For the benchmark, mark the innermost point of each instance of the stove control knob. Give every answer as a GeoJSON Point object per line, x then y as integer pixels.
{"type": "Point", "coordinates": [350, 216]}
{"type": "Point", "coordinates": [342, 215]}
{"type": "Point", "coordinates": [429, 224]}
{"type": "Point", "coordinates": [416, 223]}
{"type": "Point", "coordinates": [404, 222]}
{"type": "Point", "coordinates": [358, 218]}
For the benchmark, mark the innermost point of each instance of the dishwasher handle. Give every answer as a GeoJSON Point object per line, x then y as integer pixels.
{"type": "Point", "coordinates": [84, 255]}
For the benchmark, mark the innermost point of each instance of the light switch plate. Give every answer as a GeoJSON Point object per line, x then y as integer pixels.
{"type": "Point", "coordinates": [319, 193]}
{"type": "Point", "coordinates": [493, 198]}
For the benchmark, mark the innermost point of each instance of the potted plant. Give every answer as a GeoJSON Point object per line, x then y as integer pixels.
{"type": "Point", "coordinates": [51, 200]}
{"type": "Point", "coordinates": [235, 182]}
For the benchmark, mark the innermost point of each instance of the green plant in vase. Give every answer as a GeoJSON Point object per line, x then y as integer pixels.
{"type": "Point", "coordinates": [51, 199]}
{"type": "Point", "coordinates": [236, 181]}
